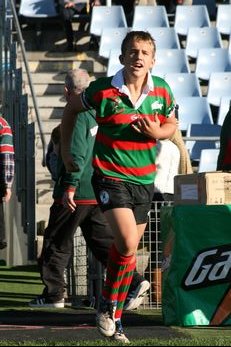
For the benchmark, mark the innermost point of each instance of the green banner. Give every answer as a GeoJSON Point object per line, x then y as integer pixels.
{"type": "Point", "coordinates": [196, 265]}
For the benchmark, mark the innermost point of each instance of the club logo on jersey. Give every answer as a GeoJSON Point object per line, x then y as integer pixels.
{"type": "Point", "coordinates": [118, 106]}
{"type": "Point", "coordinates": [209, 267]}
{"type": "Point", "coordinates": [156, 105]}
{"type": "Point", "coordinates": [104, 197]}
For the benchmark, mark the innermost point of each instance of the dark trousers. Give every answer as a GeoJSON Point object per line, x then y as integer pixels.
{"type": "Point", "coordinates": [3, 243]}
{"type": "Point", "coordinates": [67, 15]}
{"type": "Point", "coordinates": [58, 243]}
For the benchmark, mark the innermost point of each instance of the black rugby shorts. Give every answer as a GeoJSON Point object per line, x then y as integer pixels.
{"type": "Point", "coordinates": [114, 194]}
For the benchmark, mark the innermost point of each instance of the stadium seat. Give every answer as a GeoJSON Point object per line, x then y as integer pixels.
{"type": "Point", "coordinates": [208, 160]}
{"type": "Point", "coordinates": [202, 130]}
{"type": "Point", "coordinates": [219, 85]}
{"type": "Point", "coordinates": [193, 109]}
{"type": "Point", "coordinates": [211, 7]}
{"type": "Point", "coordinates": [37, 9]}
{"type": "Point", "coordinates": [111, 38]}
{"type": "Point", "coordinates": [37, 12]}
{"type": "Point", "coordinates": [170, 60]}
{"type": "Point", "coordinates": [149, 16]}
{"type": "Point", "coordinates": [190, 16]}
{"type": "Point", "coordinates": [164, 37]}
{"type": "Point", "coordinates": [113, 62]}
{"type": "Point", "coordinates": [184, 84]}
{"type": "Point", "coordinates": [207, 37]}
{"type": "Point", "coordinates": [212, 60]}
{"type": "Point", "coordinates": [223, 22]}
{"type": "Point", "coordinates": [223, 109]}
{"type": "Point", "coordinates": [106, 17]}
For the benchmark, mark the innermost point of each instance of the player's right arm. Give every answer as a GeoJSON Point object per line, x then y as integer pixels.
{"type": "Point", "coordinates": [71, 110]}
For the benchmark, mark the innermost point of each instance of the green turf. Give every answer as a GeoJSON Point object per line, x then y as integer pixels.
{"type": "Point", "coordinates": [18, 285]}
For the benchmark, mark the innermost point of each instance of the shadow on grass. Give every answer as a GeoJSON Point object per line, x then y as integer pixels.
{"type": "Point", "coordinates": [20, 268]}
{"type": "Point", "coordinates": [12, 299]}
{"type": "Point", "coordinates": [70, 317]}
{"type": "Point", "coordinates": [19, 279]}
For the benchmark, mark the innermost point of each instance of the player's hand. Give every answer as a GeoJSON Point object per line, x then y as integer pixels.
{"type": "Point", "coordinates": [68, 200]}
{"type": "Point", "coordinates": [7, 195]}
{"type": "Point", "coordinates": [147, 127]}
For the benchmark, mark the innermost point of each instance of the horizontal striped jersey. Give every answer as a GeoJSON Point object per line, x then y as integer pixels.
{"type": "Point", "coordinates": [6, 155]}
{"type": "Point", "coordinates": [120, 152]}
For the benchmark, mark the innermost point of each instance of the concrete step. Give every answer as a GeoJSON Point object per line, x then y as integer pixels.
{"type": "Point", "coordinates": [48, 113]}
{"type": "Point", "coordinates": [42, 213]}
{"type": "Point", "coordinates": [39, 168]}
{"type": "Point", "coordinates": [44, 180]}
{"type": "Point", "coordinates": [47, 78]}
{"type": "Point", "coordinates": [38, 143]}
{"type": "Point", "coordinates": [44, 196]}
{"type": "Point", "coordinates": [48, 89]}
{"type": "Point", "coordinates": [48, 126]}
{"type": "Point", "coordinates": [60, 66]}
{"type": "Point", "coordinates": [46, 55]}
{"type": "Point", "coordinates": [53, 38]}
{"type": "Point", "coordinates": [48, 101]}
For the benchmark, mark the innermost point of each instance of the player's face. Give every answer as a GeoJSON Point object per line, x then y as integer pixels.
{"type": "Point", "coordinates": [138, 58]}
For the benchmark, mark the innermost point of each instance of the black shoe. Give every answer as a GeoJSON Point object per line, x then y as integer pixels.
{"type": "Point", "coordinates": [42, 302]}
{"type": "Point", "coordinates": [137, 291]}
{"type": "Point", "coordinates": [3, 244]}
{"type": "Point", "coordinates": [93, 44]}
{"type": "Point", "coordinates": [70, 47]}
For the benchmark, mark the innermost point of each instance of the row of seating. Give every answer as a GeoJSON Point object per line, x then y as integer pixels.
{"type": "Point", "coordinates": [197, 125]}
{"type": "Point", "coordinates": [144, 16]}
{"type": "Point", "coordinates": [165, 37]}
{"type": "Point", "coordinates": [202, 44]}
{"type": "Point", "coordinates": [156, 16]}
{"type": "Point", "coordinates": [175, 61]}
{"type": "Point", "coordinates": [206, 135]}
{"type": "Point", "coordinates": [173, 66]}
{"type": "Point", "coordinates": [198, 110]}
{"type": "Point", "coordinates": [207, 37]}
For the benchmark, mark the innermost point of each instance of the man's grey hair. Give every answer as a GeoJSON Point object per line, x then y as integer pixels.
{"type": "Point", "coordinates": [77, 79]}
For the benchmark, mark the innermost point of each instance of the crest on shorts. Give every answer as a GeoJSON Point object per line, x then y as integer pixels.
{"type": "Point", "coordinates": [104, 197]}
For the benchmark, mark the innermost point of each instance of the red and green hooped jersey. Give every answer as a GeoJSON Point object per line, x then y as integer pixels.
{"type": "Point", "coordinates": [6, 155]}
{"type": "Point", "coordinates": [120, 152]}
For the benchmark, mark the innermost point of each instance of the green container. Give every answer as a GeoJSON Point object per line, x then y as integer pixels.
{"type": "Point", "coordinates": [196, 265]}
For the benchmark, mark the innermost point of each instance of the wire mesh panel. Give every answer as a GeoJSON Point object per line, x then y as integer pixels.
{"type": "Point", "coordinates": [86, 274]}
{"type": "Point", "coordinates": [151, 244]}
{"type": "Point", "coordinates": [77, 271]}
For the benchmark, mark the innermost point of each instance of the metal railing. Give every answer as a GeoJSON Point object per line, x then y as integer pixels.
{"type": "Point", "coordinates": [21, 42]}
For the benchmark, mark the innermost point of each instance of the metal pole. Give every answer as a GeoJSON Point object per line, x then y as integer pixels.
{"type": "Point", "coordinates": [30, 80]}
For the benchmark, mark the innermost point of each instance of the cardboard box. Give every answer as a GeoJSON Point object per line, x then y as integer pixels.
{"type": "Point", "coordinates": [209, 188]}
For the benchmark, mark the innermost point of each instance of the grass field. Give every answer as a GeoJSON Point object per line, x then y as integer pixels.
{"type": "Point", "coordinates": [18, 285]}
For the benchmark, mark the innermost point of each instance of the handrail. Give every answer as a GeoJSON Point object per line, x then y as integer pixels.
{"type": "Point", "coordinates": [21, 41]}
{"type": "Point", "coordinates": [201, 138]}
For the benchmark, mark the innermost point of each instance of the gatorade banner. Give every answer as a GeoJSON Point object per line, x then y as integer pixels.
{"type": "Point", "coordinates": [196, 265]}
